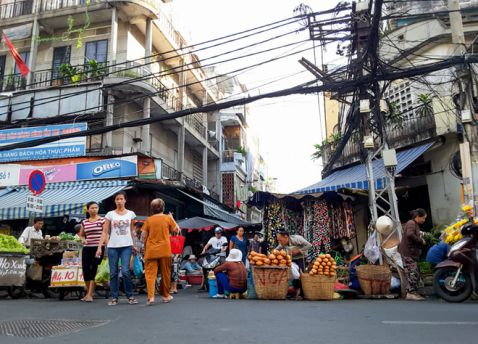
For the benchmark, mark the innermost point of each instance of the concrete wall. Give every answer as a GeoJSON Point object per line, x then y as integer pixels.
{"type": "Point", "coordinates": [331, 114]}
{"type": "Point", "coordinates": [444, 189]}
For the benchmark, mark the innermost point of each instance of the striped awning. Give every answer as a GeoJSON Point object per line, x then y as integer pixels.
{"type": "Point", "coordinates": [355, 177]}
{"type": "Point", "coordinates": [59, 198]}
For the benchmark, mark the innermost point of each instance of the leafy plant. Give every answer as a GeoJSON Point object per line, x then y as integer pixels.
{"type": "Point", "coordinates": [425, 107]}
{"type": "Point", "coordinates": [75, 74]}
{"type": "Point", "coordinates": [332, 140]}
{"type": "Point", "coordinates": [242, 150]}
{"type": "Point", "coordinates": [94, 69]}
{"type": "Point", "coordinates": [394, 115]}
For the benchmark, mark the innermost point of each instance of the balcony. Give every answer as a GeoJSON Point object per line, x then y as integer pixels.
{"type": "Point", "coordinates": [168, 172]}
{"type": "Point", "coordinates": [16, 9]}
{"type": "Point", "coordinates": [196, 125]}
{"type": "Point", "coordinates": [408, 132]}
{"type": "Point", "coordinates": [232, 160]}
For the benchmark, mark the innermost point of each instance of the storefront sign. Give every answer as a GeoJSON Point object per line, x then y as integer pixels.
{"type": "Point", "coordinates": [9, 175]}
{"type": "Point", "coordinates": [12, 271]}
{"type": "Point", "coordinates": [58, 149]}
{"type": "Point", "coordinates": [53, 174]}
{"type": "Point", "coordinates": [111, 168]}
{"type": "Point", "coordinates": [35, 204]}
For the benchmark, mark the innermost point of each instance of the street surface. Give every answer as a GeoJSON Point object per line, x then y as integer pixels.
{"type": "Point", "coordinates": [194, 318]}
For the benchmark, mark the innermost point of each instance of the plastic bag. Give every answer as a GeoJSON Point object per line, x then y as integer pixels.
{"type": "Point", "coordinates": [103, 273]}
{"type": "Point", "coordinates": [177, 244]}
{"type": "Point", "coordinates": [372, 251]}
{"type": "Point", "coordinates": [295, 271]}
{"type": "Point", "coordinates": [138, 269]}
{"type": "Point", "coordinates": [395, 283]}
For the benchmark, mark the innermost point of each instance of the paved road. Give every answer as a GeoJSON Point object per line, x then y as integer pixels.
{"type": "Point", "coordinates": [193, 318]}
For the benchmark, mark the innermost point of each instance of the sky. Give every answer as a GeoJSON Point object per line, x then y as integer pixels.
{"type": "Point", "coordinates": [287, 127]}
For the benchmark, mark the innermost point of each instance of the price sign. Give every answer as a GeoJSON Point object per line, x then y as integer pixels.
{"type": "Point", "coordinates": [35, 204]}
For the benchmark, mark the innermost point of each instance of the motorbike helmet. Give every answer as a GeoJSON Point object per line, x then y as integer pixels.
{"type": "Point", "coordinates": [218, 230]}
{"type": "Point", "coordinates": [469, 228]}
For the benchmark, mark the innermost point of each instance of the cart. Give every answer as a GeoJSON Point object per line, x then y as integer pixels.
{"type": "Point", "coordinates": [68, 280]}
{"type": "Point", "coordinates": [12, 273]}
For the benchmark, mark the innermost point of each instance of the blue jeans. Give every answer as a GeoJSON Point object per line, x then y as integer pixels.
{"type": "Point", "coordinates": [114, 254]}
{"type": "Point", "coordinates": [223, 284]}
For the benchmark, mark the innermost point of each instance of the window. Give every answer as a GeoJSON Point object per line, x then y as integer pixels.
{"type": "Point", "coordinates": [97, 50]}
{"type": "Point", "coordinates": [94, 143]}
{"type": "Point", "coordinates": [61, 55]}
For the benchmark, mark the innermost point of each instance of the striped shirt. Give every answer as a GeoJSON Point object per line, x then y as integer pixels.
{"type": "Point", "coordinates": [93, 231]}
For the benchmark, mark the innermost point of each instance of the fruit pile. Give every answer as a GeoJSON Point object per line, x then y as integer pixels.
{"type": "Point", "coordinates": [276, 258]}
{"type": "Point", "coordinates": [324, 265]}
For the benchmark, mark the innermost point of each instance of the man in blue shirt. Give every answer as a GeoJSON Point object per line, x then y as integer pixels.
{"type": "Point", "coordinates": [437, 253]}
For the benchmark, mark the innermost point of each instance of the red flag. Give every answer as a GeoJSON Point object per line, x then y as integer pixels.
{"type": "Point", "coordinates": [22, 67]}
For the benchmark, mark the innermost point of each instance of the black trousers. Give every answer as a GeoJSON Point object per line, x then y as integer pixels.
{"type": "Point", "coordinates": [90, 263]}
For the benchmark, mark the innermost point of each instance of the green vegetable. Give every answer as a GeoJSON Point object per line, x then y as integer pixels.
{"type": "Point", "coordinates": [8, 243]}
{"type": "Point", "coordinates": [66, 236]}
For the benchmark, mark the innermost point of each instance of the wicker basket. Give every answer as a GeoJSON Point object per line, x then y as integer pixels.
{"type": "Point", "coordinates": [271, 283]}
{"type": "Point", "coordinates": [318, 287]}
{"type": "Point", "coordinates": [374, 279]}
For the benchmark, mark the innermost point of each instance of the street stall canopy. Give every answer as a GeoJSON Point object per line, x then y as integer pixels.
{"type": "Point", "coordinates": [201, 223]}
{"type": "Point", "coordinates": [59, 198]}
{"type": "Point", "coordinates": [355, 177]}
{"type": "Point", "coordinates": [212, 210]}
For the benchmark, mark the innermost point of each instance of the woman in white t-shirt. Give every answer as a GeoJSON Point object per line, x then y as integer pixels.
{"type": "Point", "coordinates": [118, 233]}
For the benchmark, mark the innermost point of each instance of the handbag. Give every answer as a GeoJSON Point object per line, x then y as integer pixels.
{"type": "Point", "coordinates": [177, 244]}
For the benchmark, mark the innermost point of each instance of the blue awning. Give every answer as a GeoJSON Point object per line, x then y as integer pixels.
{"type": "Point", "coordinates": [59, 198]}
{"type": "Point", "coordinates": [355, 177]}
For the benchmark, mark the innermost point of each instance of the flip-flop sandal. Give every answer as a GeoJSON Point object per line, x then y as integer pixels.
{"type": "Point", "coordinates": [132, 301]}
{"type": "Point", "coordinates": [149, 303]}
{"type": "Point", "coordinates": [169, 299]}
{"type": "Point", "coordinates": [113, 302]}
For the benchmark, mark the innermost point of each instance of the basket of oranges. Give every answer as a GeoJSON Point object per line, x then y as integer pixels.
{"type": "Point", "coordinates": [319, 283]}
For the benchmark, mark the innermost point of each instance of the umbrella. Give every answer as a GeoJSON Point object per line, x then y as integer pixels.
{"type": "Point", "coordinates": [201, 223]}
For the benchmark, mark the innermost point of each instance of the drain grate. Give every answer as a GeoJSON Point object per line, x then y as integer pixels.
{"type": "Point", "coordinates": [44, 328]}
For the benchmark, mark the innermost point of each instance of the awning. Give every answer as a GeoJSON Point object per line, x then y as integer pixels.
{"type": "Point", "coordinates": [355, 177]}
{"type": "Point", "coordinates": [201, 223]}
{"type": "Point", "coordinates": [212, 210]}
{"type": "Point", "coordinates": [59, 198]}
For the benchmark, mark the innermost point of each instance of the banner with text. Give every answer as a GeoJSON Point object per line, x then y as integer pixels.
{"type": "Point", "coordinates": [59, 149]}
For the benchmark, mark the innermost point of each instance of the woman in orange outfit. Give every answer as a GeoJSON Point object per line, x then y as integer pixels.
{"type": "Point", "coordinates": [157, 250]}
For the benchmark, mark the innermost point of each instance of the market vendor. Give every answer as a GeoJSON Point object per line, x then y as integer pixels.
{"type": "Point", "coordinates": [295, 245]}
{"type": "Point", "coordinates": [32, 232]}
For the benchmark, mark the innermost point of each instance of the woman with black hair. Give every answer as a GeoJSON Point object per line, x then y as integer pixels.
{"type": "Point", "coordinates": [410, 249]}
{"type": "Point", "coordinates": [91, 230]}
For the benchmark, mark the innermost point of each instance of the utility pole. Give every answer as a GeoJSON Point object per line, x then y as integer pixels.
{"type": "Point", "coordinates": [469, 148]}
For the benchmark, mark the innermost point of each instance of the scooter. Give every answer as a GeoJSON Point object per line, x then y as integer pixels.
{"type": "Point", "coordinates": [212, 259]}
{"type": "Point", "coordinates": [455, 279]}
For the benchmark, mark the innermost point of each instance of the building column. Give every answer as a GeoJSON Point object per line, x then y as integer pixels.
{"type": "Point", "coordinates": [114, 36]}
{"type": "Point", "coordinates": [109, 119]}
{"type": "Point", "coordinates": [204, 166]}
{"type": "Point", "coordinates": [32, 63]}
{"type": "Point", "coordinates": [148, 50]}
{"type": "Point", "coordinates": [181, 142]}
{"type": "Point", "coordinates": [145, 129]}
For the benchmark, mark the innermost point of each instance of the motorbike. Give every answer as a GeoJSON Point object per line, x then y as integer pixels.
{"type": "Point", "coordinates": [212, 259]}
{"type": "Point", "coordinates": [455, 279]}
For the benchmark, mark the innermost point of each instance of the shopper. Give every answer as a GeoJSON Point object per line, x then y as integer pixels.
{"type": "Point", "coordinates": [118, 233]}
{"type": "Point", "coordinates": [138, 239]}
{"type": "Point", "coordinates": [410, 250]}
{"type": "Point", "coordinates": [232, 275]}
{"type": "Point", "coordinates": [90, 233]}
{"type": "Point", "coordinates": [255, 244]}
{"type": "Point", "coordinates": [240, 242]}
{"type": "Point", "coordinates": [32, 232]}
{"type": "Point", "coordinates": [157, 250]}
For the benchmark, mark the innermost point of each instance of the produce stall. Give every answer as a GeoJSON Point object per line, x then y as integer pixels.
{"type": "Point", "coordinates": [12, 263]}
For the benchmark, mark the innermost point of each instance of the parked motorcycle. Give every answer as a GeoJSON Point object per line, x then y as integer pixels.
{"type": "Point", "coordinates": [212, 259]}
{"type": "Point", "coordinates": [455, 279]}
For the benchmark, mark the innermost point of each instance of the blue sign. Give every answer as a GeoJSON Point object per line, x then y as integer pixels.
{"type": "Point", "coordinates": [110, 168]}
{"type": "Point", "coordinates": [54, 150]}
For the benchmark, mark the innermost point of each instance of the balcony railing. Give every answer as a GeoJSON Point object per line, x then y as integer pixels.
{"type": "Point", "coordinates": [197, 125]}
{"type": "Point", "coordinates": [168, 172]}
{"type": "Point", "coordinates": [228, 155]}
{"type": "Point", "coordinates": [15, 9]}
{"type": "Point", "coordinates": [131, 70]}
{"type": "Point", "coordinates": [401, 134]}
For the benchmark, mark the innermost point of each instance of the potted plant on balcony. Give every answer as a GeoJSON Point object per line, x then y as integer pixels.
{"type": "Point", "coordinates": [95, 70]}
{"type": "Point", "coordinates": [74, 74]}
{"type": "Point", "coordinates": [9, 82]}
